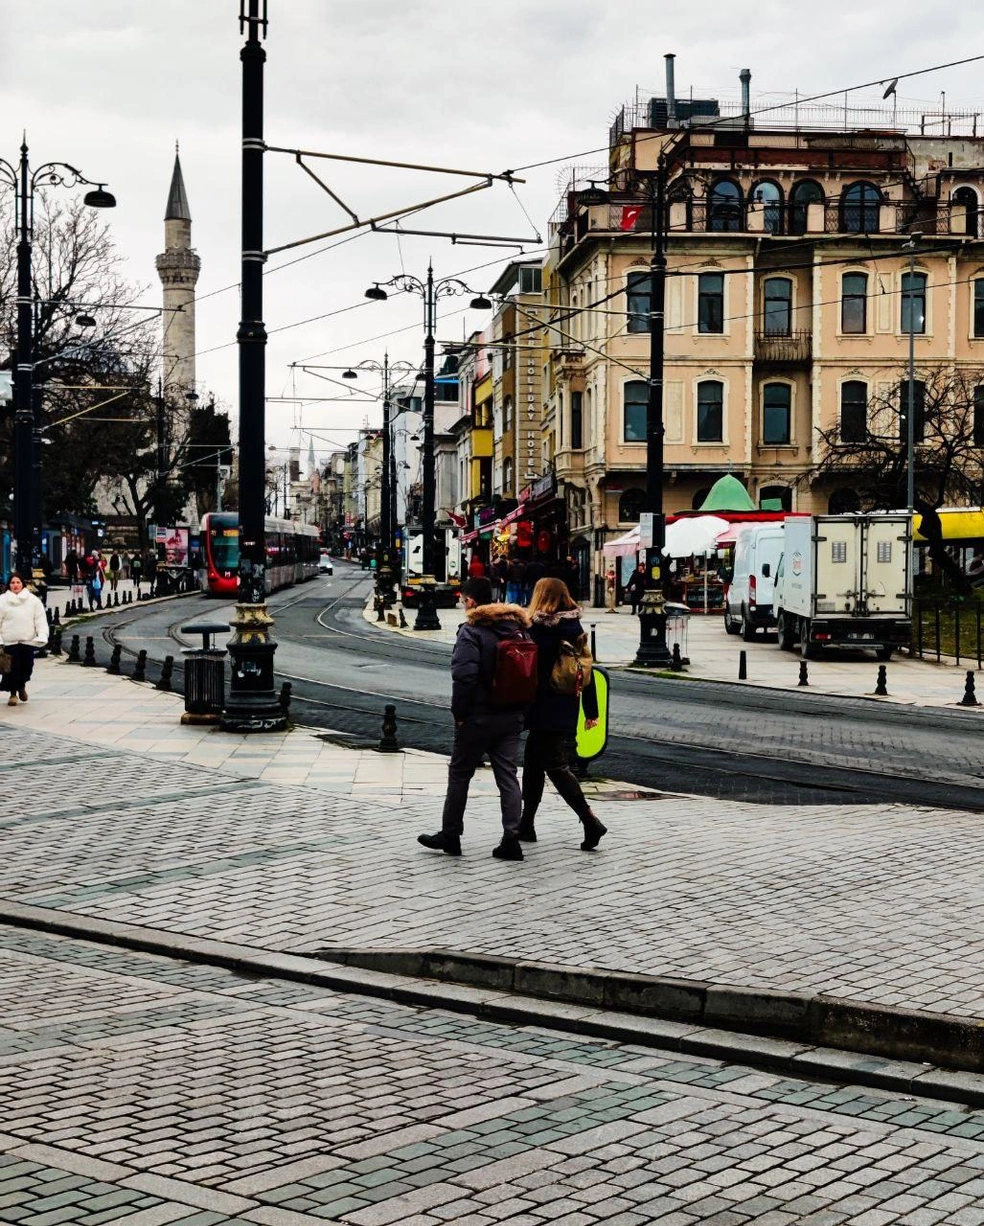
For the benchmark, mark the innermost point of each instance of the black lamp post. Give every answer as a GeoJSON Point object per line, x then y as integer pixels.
{"type": "Point", "coordinates": [27, 463]}
{"type": "Point", "coordinates": [430, 290]}
{"type": "Point", "coordinates": [253, 704]}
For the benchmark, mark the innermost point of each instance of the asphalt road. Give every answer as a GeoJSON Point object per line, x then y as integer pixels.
{"type": "Point", "coordinates": [736, 743]}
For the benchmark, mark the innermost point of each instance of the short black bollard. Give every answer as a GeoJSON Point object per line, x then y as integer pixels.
{"type": "Point", "coordinates": [388, 742]}
{"type": "Point", "coordinates": [74, 656]}
{"type": "Point", "coordinates": [594, 645]}
{"type": "Point", "coordinates": [285, 690]}
{"type": "Point", "coordinates": [116, 600]}
{"type": "Point", "coordinates": [404, 624]}
{"type": "Point", "coordinates": [56, 642]}
{"type": "Point", "coordinates": [742, 665]}
{"type": "Point", "coordinates": [114, 661]}
{"type": "Point", "coordinates": [881, 686]}
{"type": "Point", "coordinates": [89, 659]}
{"type": "Point", "coordinates": [804, 674]}
{"type": "Point", "coordinates": [167, 668]}
{"type": "Point", "coordinates": [140, 668]}
{"type": "Point", "coordinates": [676, 662]}
{"type": "Point", "coordinates": [969, 696]}
{"type": "Point", "coordinates": [50, 618]}
{"type": "Point", "coordinates": [380, 609]}
{"type": "Point", "coordinates": [55, 619]}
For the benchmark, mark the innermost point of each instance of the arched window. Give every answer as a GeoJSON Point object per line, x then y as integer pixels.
{"type": "Point", "coordinates": [778, 314]}
{"type": "Point", "coordinates": [854, 411]}
{"type": "Point", "coordinates": [768, 197]}
{"type": "Point", "coordinates": [966, 198]}
{"type": "Point", "coordinates": [843, 502]}
{"type": "Point", "coordinates": [727, 207]}
{"type": "Point", "coordinates": [699, 498]}
{"type": "Point", "coordinates": [854, 303]}
{"type": "Point", "coordinates": [913, 303]}
{"type": "Point", "coordinates": [710, 302]}
{"type": "Point", "coordinates": [771, 494]}
{"type": "Point", "coordinates": [777, 400]}
{"type": "Point", "coordinates": [631, 506]}
{"type": "Point", "coordinates": [710, 411]}
{"type": "Point", "coordinates": [805, 193]}
{"type": "Point", "coordinates": [859, 209]}
{"type": "Point", "coordinates": [635, 397]}
{"type": "Point", "coordinates": [637, 301]}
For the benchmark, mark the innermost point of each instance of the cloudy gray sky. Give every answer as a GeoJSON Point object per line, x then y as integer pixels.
{"type": "Point", "coordinates": [109, 85]}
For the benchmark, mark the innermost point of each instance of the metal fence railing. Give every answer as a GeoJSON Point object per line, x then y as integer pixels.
{"type": "Point", "coordinates": [948, 627]}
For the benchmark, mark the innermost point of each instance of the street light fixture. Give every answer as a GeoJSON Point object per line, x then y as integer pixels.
{"type": "Point", "coordinates": [24, 182]}
{"type": "Point", "coordinates": [429, 290]}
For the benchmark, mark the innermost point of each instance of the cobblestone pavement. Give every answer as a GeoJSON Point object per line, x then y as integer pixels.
{"type": "Point", "coordinates": [880, 904]}
{"type": "Point", "coordinates": [136, 1090]}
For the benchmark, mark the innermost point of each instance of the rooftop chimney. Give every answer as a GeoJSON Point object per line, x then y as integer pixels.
{"type": "Point", "coordinates": [671, 116]}
{"type": "Point", "coordinates": [745, 77]}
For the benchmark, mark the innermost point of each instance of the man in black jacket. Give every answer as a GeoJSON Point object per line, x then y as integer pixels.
{"type": "Point", "coordinates": [480, 727]}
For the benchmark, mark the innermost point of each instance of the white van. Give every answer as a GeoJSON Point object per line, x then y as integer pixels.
{"type": "Point", "coordinates": [748, 604]}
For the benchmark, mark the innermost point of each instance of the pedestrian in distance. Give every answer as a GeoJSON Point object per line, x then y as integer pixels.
{"type": "Point", "coordinates": [150, 570]}
{"type": "Point", "coordinates": [113, 570]}
{"type": "Point", "coordinates": [535, 571]}
{"type": "Point", "coordinates": [93, 580]}
{"type": "Point", "coordinates": [476, 567]}
{"type": "Point", "coordinates": [72, 567]}
{"type": "Point", "coordinates": [611, 588]}
{"type": "Point", "coordinates": [500, 571]}
{"type": "Point", "coordinates": [572, 577]}
{"type": "Point", "coordinates": [23, 626]}
{"type": "Point", "coordinates": [493, 681]}
{"type": "Point", "coordinates": [515, 581]}
{"type": "Point", "coordinates": [636, 587]}
{"type": "Point", "coordinates": [565, 680]}
{"type": "Point", "coordinates": [136, 571]}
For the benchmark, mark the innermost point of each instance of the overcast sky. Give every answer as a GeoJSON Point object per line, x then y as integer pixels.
{"type": "Point", "coordinates": [109, 85]}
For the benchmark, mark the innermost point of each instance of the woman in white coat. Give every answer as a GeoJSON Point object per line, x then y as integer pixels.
{"type": "Point", "coordinates": [23, 626]}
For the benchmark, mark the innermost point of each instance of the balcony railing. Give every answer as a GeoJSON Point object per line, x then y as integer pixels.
{"type": "Point", "coordinates": [789, 349]}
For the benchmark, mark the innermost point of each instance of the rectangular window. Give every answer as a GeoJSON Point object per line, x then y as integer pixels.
{"type": "Point", "coordinates": [979, 307]}
{"type": "Point", "coordinates": [919, 417]}
{"type": "Point", "coordinates": [530, 280]}
{"type": "Point", "coordinates": [577, 417]}
{"type": "Point", "coordinates": [635, 399]}
{"type": "Point", "coordinates": [507, 351]}
{"type": "Point", "coordinates": [913, 302]}
{"type": "Point", "coordinates": [854, 303]}
{"type": "Point", "coordinates": [710, 411]}
{"type": "Point", "coordinates": [637, 292]}
{"type": "Point", "coordinates": [776, 401]}
{"type": "Point", "coordinates": [710, 302]}
{"type": "Point", "coordinates": [854, 412]}
{"type": "Point", "coordinates": [778, 306]}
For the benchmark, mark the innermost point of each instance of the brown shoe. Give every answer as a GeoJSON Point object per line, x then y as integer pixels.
{"type": "Point", "coordinates": [12, 700]}
{"type": "Point", "coordinates": [22, 695]}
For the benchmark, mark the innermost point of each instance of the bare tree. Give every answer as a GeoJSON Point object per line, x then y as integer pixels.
{"type": "Point", "coordinates": [868, 451]}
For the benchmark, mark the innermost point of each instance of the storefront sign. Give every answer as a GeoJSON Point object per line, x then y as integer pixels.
{"type": "Point", "coordinates": [485, 516]}
{"type": "Point", "coordinates": [544, 487]}
{"type": "Point", "coordinates": [175, 542]}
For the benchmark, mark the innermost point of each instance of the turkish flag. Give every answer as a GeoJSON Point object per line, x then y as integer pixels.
{"type": "Point", "coordinates": [630, 215]}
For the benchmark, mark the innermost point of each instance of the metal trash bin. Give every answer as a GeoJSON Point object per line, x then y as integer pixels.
{"type": "Point", "coordinates": [677, 622]}
{"type": "Point", "coordinates": [204, 671]}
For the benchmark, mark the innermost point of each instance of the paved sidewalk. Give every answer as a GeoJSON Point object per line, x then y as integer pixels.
{"type": "Point", "coordinates": [714, 656]}
{"type": "Point", "coordinates": [123, 814]}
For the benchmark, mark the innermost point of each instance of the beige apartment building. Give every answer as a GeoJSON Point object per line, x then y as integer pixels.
{"type": "Point", "coordinates": [790, 290]}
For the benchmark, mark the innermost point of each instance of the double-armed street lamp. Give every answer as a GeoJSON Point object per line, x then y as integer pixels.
{"type": "Point", "coordinates": [429, 290]}
{"type": "Point", "coordinates": [24, 182]}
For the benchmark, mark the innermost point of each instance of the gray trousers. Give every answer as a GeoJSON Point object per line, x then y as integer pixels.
{"type": "Point", "coordinates": [495, 733]}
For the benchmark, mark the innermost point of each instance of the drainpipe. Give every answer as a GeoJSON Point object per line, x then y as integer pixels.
{"type": "Point", "coordinates": [671, 116]}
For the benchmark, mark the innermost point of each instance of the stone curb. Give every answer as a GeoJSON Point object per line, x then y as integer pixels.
{"type": "Point", "coordinates": [907, 1035]}
{"type": "Point", "coordinates": [707, 1037]}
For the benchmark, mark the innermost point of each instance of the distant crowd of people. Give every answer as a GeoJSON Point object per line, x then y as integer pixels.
{"type": "Point", "coordinates": [94, 572]}
{"type": "Point", "coordinates": [513, 579]}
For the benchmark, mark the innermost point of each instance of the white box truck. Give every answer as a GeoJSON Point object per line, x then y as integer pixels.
{"type": "Point", "coordinates": [845, 581]}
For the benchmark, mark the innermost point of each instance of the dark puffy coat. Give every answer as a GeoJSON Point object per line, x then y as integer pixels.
{"type": "Point", "coordinates": [553, 712]}
{"type": "Point", "coordinates": [474, 656]}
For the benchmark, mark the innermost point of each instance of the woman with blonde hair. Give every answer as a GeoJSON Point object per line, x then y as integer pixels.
{"type": "Point", "coordinates": [555, 627]}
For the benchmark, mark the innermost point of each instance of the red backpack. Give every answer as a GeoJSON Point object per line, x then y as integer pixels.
{"type": "Point", "coordinates": [514, 681]}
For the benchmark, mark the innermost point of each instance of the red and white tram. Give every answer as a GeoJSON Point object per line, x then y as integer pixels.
{"type": "Point", "coordinates": [292, 552]}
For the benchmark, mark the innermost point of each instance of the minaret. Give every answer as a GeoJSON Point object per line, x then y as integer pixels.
{"type": "Point", "coordinates": [178, 267]}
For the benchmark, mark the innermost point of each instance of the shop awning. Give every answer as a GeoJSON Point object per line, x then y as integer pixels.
{"type": "Point", "coordinates": [622, 546]}
{"type": "Point", "coordinates": [690, 538]}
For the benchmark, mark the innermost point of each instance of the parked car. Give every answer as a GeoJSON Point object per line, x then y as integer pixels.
{"type": "Point", "coordinates": [324, 564]}
{"type": "Point", "coordinates": [748, 603]}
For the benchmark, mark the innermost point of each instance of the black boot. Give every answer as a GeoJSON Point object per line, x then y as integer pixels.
{"type": "Point", "coordinates": [593, 831]}
{"type": "Point", "coordinates": [508, 849]}
{"type": "Point", "coordinates": [450, 844]}
{"type": "Point", "coordinates": [527, 831]}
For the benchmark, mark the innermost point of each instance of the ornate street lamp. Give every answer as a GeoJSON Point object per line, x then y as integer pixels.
{"type": "Point", "coordinates": [24, 182]}
{"type": "Point", "coordinates": [429, 290]}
